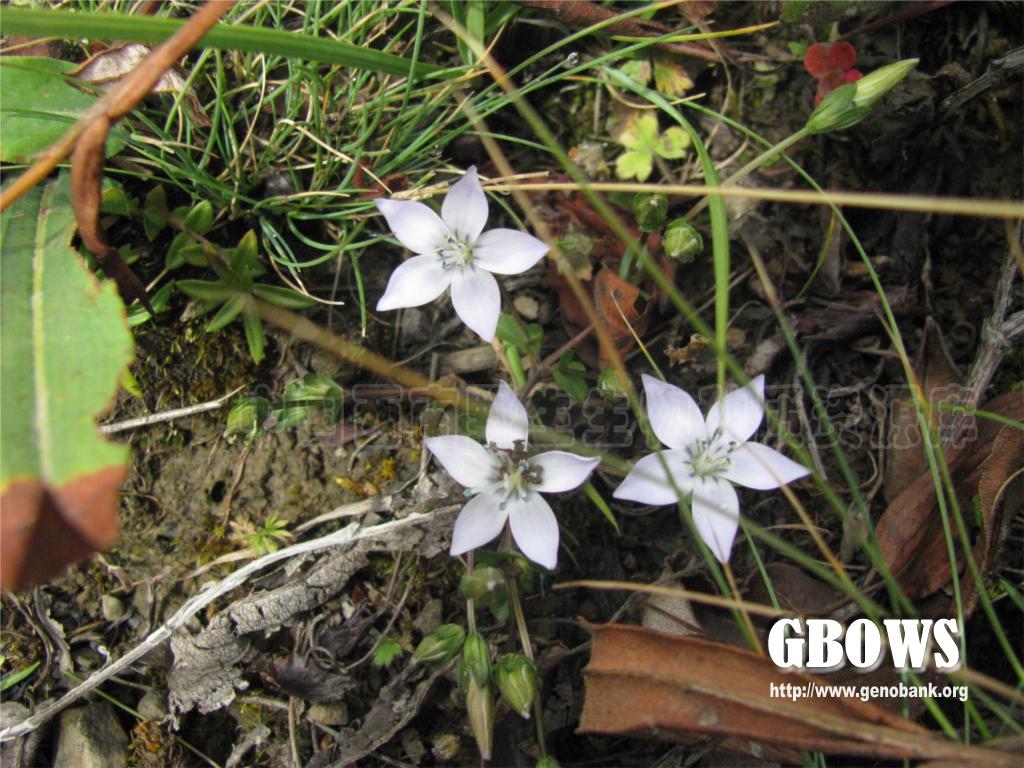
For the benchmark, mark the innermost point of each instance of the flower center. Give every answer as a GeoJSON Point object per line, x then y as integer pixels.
{"type": "Point", "coordinates": [516, 475]}
{"type": "Point", "coordinates": [455, 253]}
{"type": "Point", "coordinates": [710, 457]}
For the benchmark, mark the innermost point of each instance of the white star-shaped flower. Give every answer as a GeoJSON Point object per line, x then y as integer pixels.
{"type": "Point", "coordinates": [451, 251]}
{"type": "Point", "coordinates": [706, 456]}
{"type": "Point", "coordinates": [506, 484]}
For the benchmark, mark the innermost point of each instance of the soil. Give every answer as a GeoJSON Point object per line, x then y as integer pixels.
{"type": "Point", "coordinates": [193, 498]}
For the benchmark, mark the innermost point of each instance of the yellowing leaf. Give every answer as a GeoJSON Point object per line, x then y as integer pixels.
{"type": "Point", "coordinates": [634, 164]}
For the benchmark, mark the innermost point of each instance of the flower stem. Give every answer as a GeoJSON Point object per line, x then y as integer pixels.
{"type": "Point", "coordinates": [524, 640]}
{"type": "Point", "coordinates": [753, 165]}
{"type": "Point", "coordinates": [470, 609]}
{"type": "Point", "coordinates": [750, 631]}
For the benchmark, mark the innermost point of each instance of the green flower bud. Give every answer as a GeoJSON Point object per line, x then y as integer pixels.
{"type": "Point", "coordinates": [517, 681]}
{"type": "Point", "coordinates": [875, 85]}
{"type": "Point", "coordinates": [485, 585]}
{"type": "Point", "coordinates": [477, 655]}
{"type": "Point", "coordinates": [480, 708]}
{"type": "Point", "coordinates": [682, 242]}
{"type": "Point", "coordinates": [650, 211]}
{"type": "Point", "coordinates": [849, 104]}
{"type": "Point", "coordinates": [441, 645]}
{"type": "Point", "coordinates": [548, 762]}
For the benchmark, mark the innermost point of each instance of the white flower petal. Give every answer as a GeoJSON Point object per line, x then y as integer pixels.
{"type": "Point", "coordinates": [647, 482]}
{"type": "Point", "coordinates": [534, 528]}
{"type": "Point", "coordinates": [464, 209]}
{"type": "Point", "coordinates": [479, 521]}
{"type": "Point", "coordinates": [477, 300]}
{"type": "Point", "coordinates": [740, 412]}
{"type": "Point", "coordinates": [507, 421]}
{"type": "Point", "coordinates": [762, 468]}
{"type": "Point", "coordinates": [507, 251]}
{"type": "Point", "coordinates": [466, 460]}
{"type": "Point", "coordinates": [675, 417]}
{"type": "Point", "coordinates": [562, 471]}
{"type": "Point", "coordinates": [414, 282]}
{"type": "Point", "coordinates": [716, 513]}
{"type": "Point", "coordinates": [414, 224]}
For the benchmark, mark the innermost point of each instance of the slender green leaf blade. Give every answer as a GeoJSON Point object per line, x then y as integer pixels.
{"type": "Point", "coordinates": [98, 25]}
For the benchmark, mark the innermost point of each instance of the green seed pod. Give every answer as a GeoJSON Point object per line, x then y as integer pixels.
{"type": "Point", "coordinates": [682, 242]}
{"type": "Point", "coordinates": [480, 708]}
{"type": "Point", "coordinates": [485, 585]}
{"type": "Point", "coordinates": [477, 656]}
{"type": "Point", "coordinates": [517, 681]}
{"type": "Point", "coordinates": [650, 211]}
{"type": "Point", "coordinates": [441, 645]}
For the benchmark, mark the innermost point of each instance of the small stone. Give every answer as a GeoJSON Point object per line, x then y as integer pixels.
{"type": "Point", "coordinates": [526, 306]}
{"type": "Point", "coordinates": [429, 617]}
{"type": "Point", "coordinates": [91, 737]}
{"type": "Point", "coordinates": [329, 714]}
{"type": "Point", "coordinates": [21, 752]}
{"type": "Point", "coordinates": [153, 705]}
{"type": "Point", "coordinates": [112, 608]}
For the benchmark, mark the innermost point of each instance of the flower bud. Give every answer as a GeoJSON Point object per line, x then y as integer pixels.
{"type": "Point", "coordinates": [441, 645]}
{"type": "Point", "coordinates": [480, 708]}
{"type": "Point", "coordinates": [650, 211]}
{"type": "Point", "coordinates": [485, 585]}
{"type": "Point", "coordinates": [517, 681]}
{"type": "Point", "coordinates": [477, 656]}
{"type": "Point", "coordinates": [849, 104]}
{"type": "Point", "coordinates": [873, 86]}
{"type": "Point", "coordinates": [548, 762]}
{"type": "Point", "coordinates": [682, 242]}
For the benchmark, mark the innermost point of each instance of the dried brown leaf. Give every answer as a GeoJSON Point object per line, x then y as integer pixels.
{"type": "Point", "coordinates": [644, 683]}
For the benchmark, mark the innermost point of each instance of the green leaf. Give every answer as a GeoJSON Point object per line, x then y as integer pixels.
{"type": "Point", "coordinates": [246, 419]}
{"type": "Point", "coordinates": [206, 290]}
{"type": "Point", "coordinates": [154, 212]}
{"type": "Point", "coordinates": [63, 345]}
{"type": "Point", "coordinates": [673, 143]}
{"type": "Point", "coordinates": [253, 331]}
{"type": "Point", "coordinates": [39, 104]}
{"type": "Point", "coordinates": [228, 312]}
{"type": "Point", "coordinates": [282, 297]}
{"type": "Point", "coordinates": [98, 25]}
{"type": "Point", "coordinates": [387, 650]}
{"type": "Point", "coordinates": [600, 503]}
{"type": "Point", "coordinates": [634, 164]}
{"type": "Point", "coordinates": [138, 314]}
{"type": "Point", "coordinates": [638, 70]}
{"type": "Point", "coordinates": [568, 373]}
{"type": "Point", "coordinates": [114, 200]}
{"type": "Point", "coordinates": [200, 218]}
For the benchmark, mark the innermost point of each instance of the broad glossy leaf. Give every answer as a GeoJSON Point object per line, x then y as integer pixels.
{"type": "Point", "coordinates": [39, 104]}
{"type": "Point", "coordinates": [65, 343]}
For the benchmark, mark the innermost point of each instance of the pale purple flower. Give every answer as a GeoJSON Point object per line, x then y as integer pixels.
{"type": "Point", "coordinates": [451, 251]}
{"type": "Point", "coordinates": [505, 483]}
{"type": "Point", "coordinates": [706, 456]}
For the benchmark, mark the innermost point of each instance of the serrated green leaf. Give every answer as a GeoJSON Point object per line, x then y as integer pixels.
{"type": "Point", "coordinates": [638, 70]}
{"type": "Point", "coordinates": [670, 77]}
{"type": "Point", "coordinates": [387, 650]}
{"type": "Point", "coordinates": [282, 297]}
{"type": "Point", "coordinates": [64, 345]}
{"type": "Point", "coordinates": [673, 143]}
{"type": "Point", "coordinates": [39, 104]}
{"type": "Point", "coordinates": [640, 132]}
{"type": "Point", "coordinates": [634, 164]}
{"type": "Point", "coordinates": [231, 309]}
